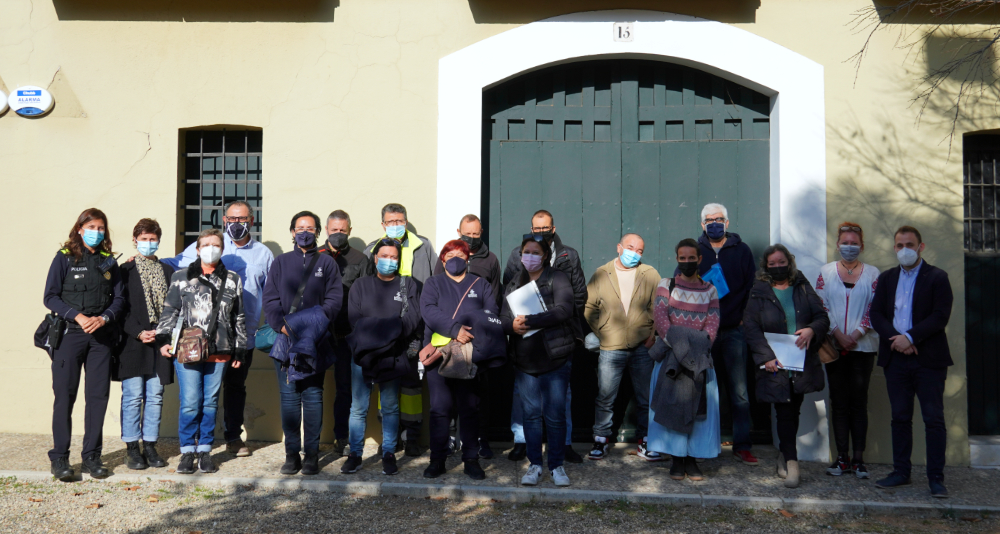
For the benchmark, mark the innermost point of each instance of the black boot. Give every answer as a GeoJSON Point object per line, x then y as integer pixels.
{"type": "Point", "coordinates": [436, 469]}
{"type": "Point", "coordinates": [310, 466]}
{"type": "Point", "coordinates": [92, 464]}
{"type": "Point", "coordinates": [518, 453]}
{"type": "Point", "coordinates": [292, 464]}
{"type": "Point", "coordinates": [474, 470]}
{"type": "Point", "coordinates": [133, 457]}
{"type": "Point", "coordinates": [692, 470]}
{"type": "Point", "coordinates": [62, 471]}
{"type": "Point", "coordinates": [677, 468]}
{"type": "Point", "coordinates": [152, 457]}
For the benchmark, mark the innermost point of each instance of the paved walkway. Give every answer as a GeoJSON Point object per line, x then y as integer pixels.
{"type": "Point", "coordinates": [622, 476]}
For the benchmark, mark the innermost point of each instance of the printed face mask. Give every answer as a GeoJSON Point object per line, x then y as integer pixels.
{"type": "Point", "coordinates": [455, 266]}
{"type": "Point", "coordinates": [907, 257]}
{"type": "Point", "coordinates": [778, 274]}
{"type": "Point", "coordinates": [850, 252]}
{"type": "Point", "coordinates": [305, 239]}
{"type": "Point", "coordinates": [715, 230]}
{"type": "Point", "coordinates": [237, 230]}
{"type": "Point", "coordinates": [630, 258]}
{"type": "Point", "coordinates": [531, 262]}
{"type": "Point", "coordinates": [92, 237]}
{"type": "Point", "coordinates": [147, 248]}
{"type": "Point", "coordinates": [338, 241]}
{"type": "Point", "coordinates": [386, 266]}
{"type": "Point", "coordinates": [395, 232]}
{"type": "Point", "coordinates": [210, 254]}
{"type": "Point", "coordinates": [688, 268]}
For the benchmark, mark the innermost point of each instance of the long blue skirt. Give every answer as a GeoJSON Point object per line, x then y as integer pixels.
{"type": "Point", "coordinates": [704, 441]}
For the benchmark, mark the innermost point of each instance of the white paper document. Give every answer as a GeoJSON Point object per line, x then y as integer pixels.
{"type": "Point", "coordinates": [790, 356]}
{"type": "Point", "coordinates": [526, 301]}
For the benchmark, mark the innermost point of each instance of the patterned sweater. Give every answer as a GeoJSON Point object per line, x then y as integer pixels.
{"type": "Point", "coordinates": [695, 306]}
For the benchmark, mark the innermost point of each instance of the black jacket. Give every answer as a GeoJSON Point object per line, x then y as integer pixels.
{"type": "Point", "coordinates": [138, 358]}
{"type": "Point", "coordinates": [736, 260]}
{"type": "Point", "coordinates": [932, 300]}
{"type": "Point", "coordinates": [549, 349]}
{"type": "Point", "coordinates": [567, 261]}
{"type": "Point", "coordinates": [483, 264]}
{"type": "Point", "coordinates": [765, 314]}
{"type": "Point", "coordinates": [353, 264]}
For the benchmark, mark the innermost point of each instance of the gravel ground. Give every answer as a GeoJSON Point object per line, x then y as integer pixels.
{"type": "Point", "coordinates": [169, 507]}
{"type": "Point", "coordinates": [621, 471]}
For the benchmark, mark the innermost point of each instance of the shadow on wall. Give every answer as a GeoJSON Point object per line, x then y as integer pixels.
{"type": "Point", "coordinates": [921, 12]}
{"type": "Point", "coordinates": [198, 10]}
{"type": "Point", "coordinates": [889, 178]}
{"type": "Point", "coordinates": [525, 11]}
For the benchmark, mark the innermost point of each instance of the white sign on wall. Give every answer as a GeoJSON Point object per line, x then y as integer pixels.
{"type": "Point", "coordinates": [624, 32]}
{"type": "Point", "coordinates": [3, 102]}
{"type": "Point", "coordinates": [30, 101]}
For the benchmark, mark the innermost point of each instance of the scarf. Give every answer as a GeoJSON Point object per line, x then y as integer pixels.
{"type": "Point", "coordinates": [154, 285]}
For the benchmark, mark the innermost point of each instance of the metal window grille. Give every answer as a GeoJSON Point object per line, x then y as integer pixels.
{"type": "Point", "coordinates": [220, 166]}
{"type": "Point", "coordinates": [981, 183]}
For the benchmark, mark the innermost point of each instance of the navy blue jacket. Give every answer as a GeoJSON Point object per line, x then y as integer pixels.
{"type": "Point", "coordinates": [441, 296]}
{"type": "Point", "coordinates": [323, 289]}
{"type": "Point", "coordinates": [53, 289]}
{"type": "Point", "coordinates": [932, 300]}
{"type": "Point", "coordinates": [308, 351]}
{"type": "Point", "coordinates": [737, 267]}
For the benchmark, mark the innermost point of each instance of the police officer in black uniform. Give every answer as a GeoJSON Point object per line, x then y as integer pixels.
{"type": "Point", "coordinates": [84, 288]}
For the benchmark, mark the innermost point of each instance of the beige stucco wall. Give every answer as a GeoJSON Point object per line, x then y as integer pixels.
{"type": "Point", "coordinates": [348, 105]}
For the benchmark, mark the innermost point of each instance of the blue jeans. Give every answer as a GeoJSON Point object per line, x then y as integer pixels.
{"type": "Point", "coordinates": [611, 366]}
{"type": "Point", "coordinates": [361, 393]}
{"type": "Point", "coordinates": [142, 402]}
{"type": "Point", "coordinates": [729, 353]}
{"type": "Point", "coordinates": [517, 414]}
{"type": "Point", "coordinates": [544, 396]}
{"type": "Point", "coordinates": [301, 410]}
{"type": "Point", "coordinates": [199, 394]}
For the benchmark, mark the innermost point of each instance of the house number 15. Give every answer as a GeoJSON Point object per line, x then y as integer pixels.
{"type": "Point", "coordinates": [624, 32]}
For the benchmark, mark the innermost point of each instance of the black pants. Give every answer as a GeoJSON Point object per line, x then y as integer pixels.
{"type": "Point", "coordinates": [462, 396]}
{"type": "Point", "coordinates": [342, 398]}
{"type": "Point", "coordinates": [482, 376]}
{"type": "Point", "coordinates": [234, 397]}
{"type": "Point", "coordinates": [80, 350]}
{"type": "Point", "coordinates": [787, 417]}
{"type": "Point", "coordinates": [849, 377]}
{"type": "Point", "coordinates": [904, 378]}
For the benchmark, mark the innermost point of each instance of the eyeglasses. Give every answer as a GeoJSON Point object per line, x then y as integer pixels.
{"type": "Point", "coordinates": [537, 237]}
{"type": "Point", "coordinates": [538, 229]}
{"type": "Point", "coordinates": [306, 229]}
{"type": "Point", "coordinates": [715, 220]}
{"type": "Point", "coordinates": [850, 229]}
{"type": "Point", "coordinates": [394, 223]}
{"type": "Point", "coordinates": [238, 219]}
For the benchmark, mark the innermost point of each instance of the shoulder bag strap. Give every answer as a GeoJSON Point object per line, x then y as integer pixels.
{"type": "Point", "coordinates": [463, 297]}
{"type": "Point", "coordinates": [302, 285]}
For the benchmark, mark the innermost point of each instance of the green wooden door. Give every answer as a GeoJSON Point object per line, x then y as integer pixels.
{"type": "Point", "coordinates": [616, 146]}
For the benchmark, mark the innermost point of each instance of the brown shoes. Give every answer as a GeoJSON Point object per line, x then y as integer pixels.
{"type": "Point", "coordinates": [238, 448]}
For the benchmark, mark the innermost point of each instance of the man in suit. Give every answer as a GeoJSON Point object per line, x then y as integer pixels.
{"type": "Point", "coordinates": [910, 310]}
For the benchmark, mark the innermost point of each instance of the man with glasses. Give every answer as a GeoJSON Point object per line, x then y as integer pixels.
{"type": "Point", "coordinates": [251, 260]}
{"type": "Point", "coordinates": [417, 259]}
{"type": "Point", "coordinates": [567, 260]}
{"type": "Point", "coordinates": [353, 264]}
{"type": "Point", "coordinates": [729, 352]}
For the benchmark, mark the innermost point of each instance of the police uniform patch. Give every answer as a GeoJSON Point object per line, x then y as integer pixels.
{"type": "Point", "coordinates": [107, 275]}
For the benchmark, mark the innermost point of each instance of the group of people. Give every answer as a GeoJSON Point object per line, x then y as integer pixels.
{"type": "Point", "coordinates": [397, 314]}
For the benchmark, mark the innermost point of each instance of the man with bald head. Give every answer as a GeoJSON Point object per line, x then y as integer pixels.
{"type": "Point", "coordinates": [620, 312]}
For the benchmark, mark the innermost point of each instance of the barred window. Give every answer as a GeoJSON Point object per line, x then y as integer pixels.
{"type": "Point", "coordinates": [220, 166]}
{"type": "Point", "coordinates": [981, 181]}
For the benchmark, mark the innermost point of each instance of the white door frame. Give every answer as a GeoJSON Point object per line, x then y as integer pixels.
{"type": "Point", "coordinates": [794, 83]}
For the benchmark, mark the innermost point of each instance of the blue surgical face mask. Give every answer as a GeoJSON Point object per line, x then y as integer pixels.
{"type": "Point", "coordinates": [630, 258]}
{"type": "Point", "coordinates": [715, 230]}
{"type": "Point", "coordinates": [92, 237]}
{"type": "Point", "coordinates": [147, 248]}
{"type": "Point", "coordinates": [386, 266]}
{"type": "Point", "coordinates": [395, 232]}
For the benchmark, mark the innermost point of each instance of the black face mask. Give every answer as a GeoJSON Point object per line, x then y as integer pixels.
{"type": "Point", "coordinates": [473, 242]}
{"type": "Point", "coordinates": [337, 240]}
{"type": "Point", "coordinates": [688, 268]}
{"type": "Point", "coordinates": [778, 274]}
{"type": "Point", "coordinates": [546, 234]}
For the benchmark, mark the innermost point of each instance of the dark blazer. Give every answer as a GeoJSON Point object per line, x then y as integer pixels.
{"type": "Point", "coordinates": [138, 358]}
{"type": "Point", "coordinates": [932, 300]}
{"type": "Point", "coordinates": [765, 314]}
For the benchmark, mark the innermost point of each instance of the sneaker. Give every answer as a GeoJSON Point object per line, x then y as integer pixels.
{"type": "Point", "coordinates": [238, 448]}
{"type": "Point", "coordinates": [474, 470]}
{"type": "Point", "coordinates": [839, 467]}
{"type": "Point", "coordinates": [648, 455]}
{"type": "Point", "coordinates": [531, 477]}
{"type": "Point", "coordinates": [746, 457]}
{"type": "Point", "coordinates": [938, 490]}
{"type": "Point", "coordinates": [292, 465]}
{"type": "Point", "coordinates": [518, 453]}
{"type": "Point", "coordinates": [133, 456]}
{"type": "Point", "coordinates": [600, 448]}
{"type": "Point", "coordinates": [186, 465]}
{"type": "Point", "coordinates": [61, 469]}
{"type": "Point", "coordinates": [310, 464]}
{"type": "Point", "coordinates": [152, 457]}
{"type": "Point", "coordinates": [339, 446]}
{"type": "Point", "coordinates": [860, 470]}
{"type": "Point", "coordinates": [894, 480]}
{"type": "Point", "coordinates": [93, 465]}
{"type": "Point", "coordinates": [205, 463]}
{"type": "Point", "coordinates": [572, 456]}
{"type": "Point", "coordinates": [353, 463]}
{"type": "Point", "coordinates": [485, 452]}
{"type": "Point", "coordinates": [412, 449]}
{"type": "Point", "coordinates": [435, 469]}
{"type": "Point", "coordinates": [559, 477]}
{"type": "Point", "coordinates": [388, 464]}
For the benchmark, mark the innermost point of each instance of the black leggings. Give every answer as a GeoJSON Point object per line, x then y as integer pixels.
{"type": "Point", "coordinates": [787, 417]}
{"type": "Point", "coordinates": [849, 377]}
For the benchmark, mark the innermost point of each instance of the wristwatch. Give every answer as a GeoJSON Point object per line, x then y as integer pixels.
{"type": "Point", "coordinates": [106, 320]}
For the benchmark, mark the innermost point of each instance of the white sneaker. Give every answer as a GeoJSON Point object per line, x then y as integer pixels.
{"type": "Point", "coordinates": [648, 455]}
{"type": "Point", "coordinates": [531, 477]}
{"type": "Point", "coordinates": [600, 448]}
{"type": "Point", "coordinates": [559, 476]}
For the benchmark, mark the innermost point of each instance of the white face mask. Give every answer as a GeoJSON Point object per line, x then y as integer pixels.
{"type": "Point", "coordinates": [907, 257]}
{"type": "Point", "coordinates": [210, 254]}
